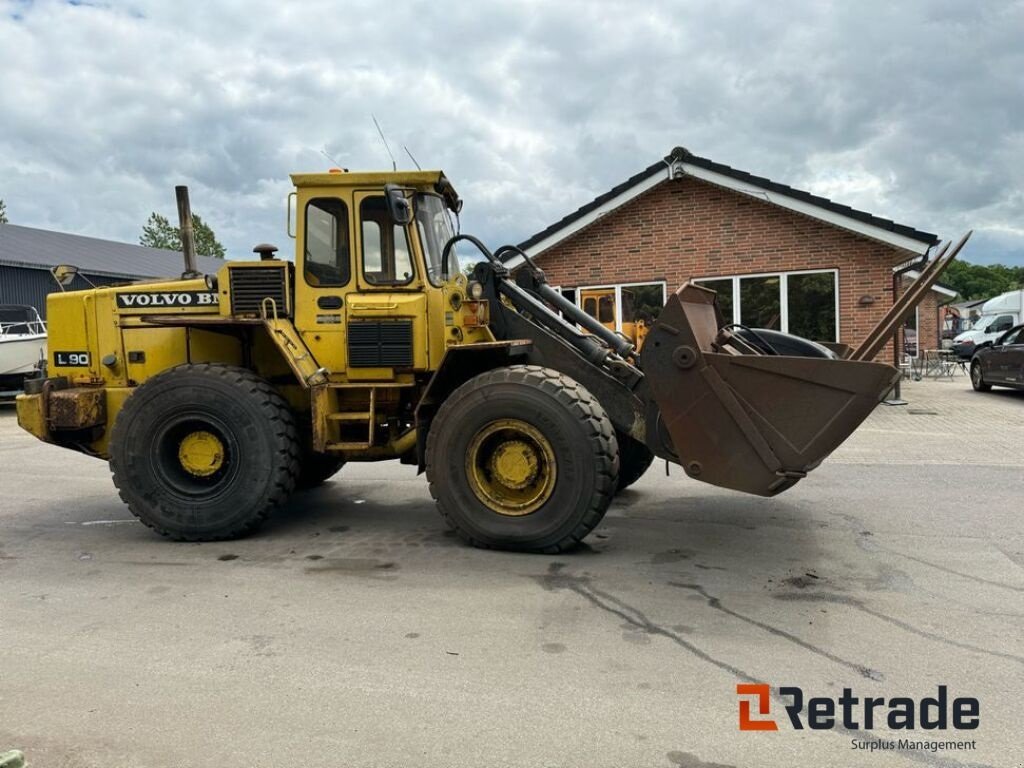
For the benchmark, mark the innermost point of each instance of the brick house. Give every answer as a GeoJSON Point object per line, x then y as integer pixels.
{"type": "Point", "coordinates": [778, 257]}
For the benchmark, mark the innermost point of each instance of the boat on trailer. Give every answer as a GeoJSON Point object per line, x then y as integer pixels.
{"type": "Point", "coordinates": [22, 344]}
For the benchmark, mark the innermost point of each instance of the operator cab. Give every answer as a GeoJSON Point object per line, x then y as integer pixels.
{"type": "Point", "coordinates": [372, 289]}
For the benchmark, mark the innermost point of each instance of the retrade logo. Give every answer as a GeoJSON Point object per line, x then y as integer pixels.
{"type": "Point", "coordinates": [854, 712]}
{"type": "Point", "coordinates": [763, 696]}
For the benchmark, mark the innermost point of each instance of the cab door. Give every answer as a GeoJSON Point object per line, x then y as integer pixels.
{"type": "Point", "coordinates": [1009, 359]}
{"type": "Point", "coordinates": [387, 313]}
{"type": "Point", "coordinates": [324, 229]}
{"type": "Point", "coordinates": [1015, 359]}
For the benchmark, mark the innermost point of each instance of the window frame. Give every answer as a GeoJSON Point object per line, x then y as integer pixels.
{"type": "Point", "coordinates": [1000, 317]}
{"type": "Point", "coordinates": [618, 294]}
{"type": "Point", "coordinates": [737, 307]}
{"type": "Point", "coordinates": [305, 241]}
{"type": "Point", "coordinates": [411, 283]}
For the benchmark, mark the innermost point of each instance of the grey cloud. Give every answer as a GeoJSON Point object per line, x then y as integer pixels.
{"type": "Point", "coordinates": [909, 110]}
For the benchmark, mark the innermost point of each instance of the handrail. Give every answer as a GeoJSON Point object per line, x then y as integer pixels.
{"type": "Point", "coordinates": [33, 327]}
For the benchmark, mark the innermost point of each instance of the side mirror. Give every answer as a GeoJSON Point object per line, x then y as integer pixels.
{"type": "Point", "coordinates": [64, 274]}
{"type": "Point", "coordinates": [398, 204]}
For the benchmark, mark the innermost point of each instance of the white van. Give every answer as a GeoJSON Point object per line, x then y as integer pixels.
{"type": "Point", "coordinates": [998, 315]}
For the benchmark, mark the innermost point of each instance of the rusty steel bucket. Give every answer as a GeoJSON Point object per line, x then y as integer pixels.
{"type": "Point", "coordinates": [734, 416]}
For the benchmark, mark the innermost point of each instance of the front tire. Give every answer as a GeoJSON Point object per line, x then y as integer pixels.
{"type": "Point", "coordinates": [978, 378]}
{"type": "Point", "coordinates": [204, 452]}
{"type": "Point", "coordinates": [635, 458]}
{"type": "Point", "coordinates": [522, 458]}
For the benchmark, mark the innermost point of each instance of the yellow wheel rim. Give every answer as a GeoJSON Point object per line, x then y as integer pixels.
{"type": "Point", "coordinates": [511, 467]}
{"type": "Point", "coordinates": [201, 453]}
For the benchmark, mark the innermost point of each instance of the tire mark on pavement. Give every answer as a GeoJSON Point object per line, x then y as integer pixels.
{"type": "Point", "coordinates": [827, 597]}
{"type": "Point", "coordinates": [556, 580]}
{"type": "Point", "coordinates": [944, 569]}
{"type": "Point", "coordinates": [867, 541]}
{"type": "Point", "coordinates": [714, 602]}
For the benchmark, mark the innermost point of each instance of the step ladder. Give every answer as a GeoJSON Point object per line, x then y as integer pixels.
{"type": "Point", "coordinates": [323, 403]}
{"type": "Point", "coordinates": [347, 417]}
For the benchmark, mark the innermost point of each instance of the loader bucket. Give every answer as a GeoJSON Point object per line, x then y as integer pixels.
{"type": "Point", "coordinates": [735, 417]}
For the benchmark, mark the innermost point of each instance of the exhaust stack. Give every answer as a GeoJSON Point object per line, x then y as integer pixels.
{"type": "Point", "coordinates": [188, 238]}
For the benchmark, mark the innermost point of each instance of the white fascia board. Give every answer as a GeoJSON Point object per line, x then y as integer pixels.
{"type": "Point", "coordinates": [584, 221]}
{"type": "Point", "coordinates": [808, 209]}
{"type": "Point", "coordinates": [913, 274]}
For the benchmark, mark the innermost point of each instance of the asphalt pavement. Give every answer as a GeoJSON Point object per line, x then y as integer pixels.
{"type": "Point", "coordinates": [354, 630]}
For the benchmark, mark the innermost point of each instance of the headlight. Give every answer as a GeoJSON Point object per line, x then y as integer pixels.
{"type": "Point", "coordinates": [475, 289]}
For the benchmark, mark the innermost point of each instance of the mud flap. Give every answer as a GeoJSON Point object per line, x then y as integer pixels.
{"type": "Point", "coordinates": [749, 422]}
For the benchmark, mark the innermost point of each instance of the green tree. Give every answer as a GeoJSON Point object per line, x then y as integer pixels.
{"type": "Point", "coordinates": [158, 232]}
{"type": "Point", "coordinates": [981, 281]}
{"type": "Point", "coordinates": [3, 212]}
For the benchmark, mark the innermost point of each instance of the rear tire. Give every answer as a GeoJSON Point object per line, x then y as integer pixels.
{"type": "Point", "coordinates": [978, 378]}
{"type": "Point", "coordinates": [204, 452]}
{"type": "Point", "coordinates": [522, 458]}
{"type": "Point", "coordinates": [635, 458]}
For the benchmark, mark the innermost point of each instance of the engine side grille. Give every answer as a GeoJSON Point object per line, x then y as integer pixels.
{"type": "Point", "coordinates": [250, 286]}
{"type": "Point", "coordinates": [380, 344]}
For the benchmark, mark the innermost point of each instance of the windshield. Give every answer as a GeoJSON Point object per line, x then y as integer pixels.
{"type": "Point", "coordinates": [435, 228]}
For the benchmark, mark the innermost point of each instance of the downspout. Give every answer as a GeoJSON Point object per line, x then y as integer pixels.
{"type": "Point", "coordinates": [897, 279]}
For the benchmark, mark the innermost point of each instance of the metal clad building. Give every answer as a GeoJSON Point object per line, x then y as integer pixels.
{"type": "Point", "coordinates": [27, 255]}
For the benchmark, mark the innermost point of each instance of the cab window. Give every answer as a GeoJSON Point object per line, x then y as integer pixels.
{"type": "Point", "coordinates": [387, 259]}
{"type": "Point", "coordinates": [326, 248]}
{"type": "Point", "coordinates": [1002, 323]}
{"type": "Point", "coordinates": [606, 309]}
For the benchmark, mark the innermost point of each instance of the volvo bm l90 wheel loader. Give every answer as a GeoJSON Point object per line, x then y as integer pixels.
{"type": "Point", "coordinates": [214, 397]}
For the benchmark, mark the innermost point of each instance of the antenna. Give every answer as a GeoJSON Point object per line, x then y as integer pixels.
{"type": "Point", "coordinates": [323, 151]}
{"type": "Point", "coordinates": [394, 165]}
{"type": "Point", "coordinates": [411, 157]}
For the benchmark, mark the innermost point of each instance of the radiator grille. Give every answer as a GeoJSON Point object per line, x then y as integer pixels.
{"type": "Point", "coordinates": [250, 286]}
{"type": "Point", "coordinates": [380, 344]}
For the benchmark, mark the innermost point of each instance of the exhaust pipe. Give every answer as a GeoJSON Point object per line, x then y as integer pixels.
{"type": "Point", "coordinates": [188, 237]}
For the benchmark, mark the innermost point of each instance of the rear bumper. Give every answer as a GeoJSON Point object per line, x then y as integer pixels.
{"type": "Point", "coordinates": [56, 413]}
{"type": "Point", "coordinates": [32, 416]}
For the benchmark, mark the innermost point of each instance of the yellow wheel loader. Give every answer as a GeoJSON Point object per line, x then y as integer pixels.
{"type": "Point", "coordinates": [214, 397]}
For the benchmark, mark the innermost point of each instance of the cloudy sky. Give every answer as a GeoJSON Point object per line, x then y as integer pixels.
{"type": "Point", "coordinates": [911, 110]}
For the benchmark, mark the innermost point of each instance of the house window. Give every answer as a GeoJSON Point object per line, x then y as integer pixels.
{"type": "Point", "coordinates": [802, 303]}
{"type": "Point", "coordinates": [910, 337]}
{"type": "Point", "coordinates": [628, 308]}
{"type": "Point", "coordinates": [761, 302]}
{"type": "Point", "coordinates": [812, 305]}
{"type": "Point", "coordinates": [724, 290]}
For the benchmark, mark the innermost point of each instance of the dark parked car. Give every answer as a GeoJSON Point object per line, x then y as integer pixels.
{"type": "Point", "coordinates": [1001, 364]}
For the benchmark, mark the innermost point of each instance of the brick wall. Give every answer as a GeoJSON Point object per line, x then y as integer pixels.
{"type": "Point", "coordinates": [688, 228]}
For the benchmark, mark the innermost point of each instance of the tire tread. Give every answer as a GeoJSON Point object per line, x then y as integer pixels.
{"type": "Point", "coordinates": [277, 413]}
{"type": "Point", "coordinates": [577, 400]}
